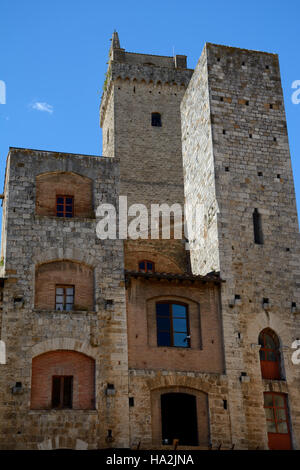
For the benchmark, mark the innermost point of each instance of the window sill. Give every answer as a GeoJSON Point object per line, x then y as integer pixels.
{"type": "Point", "coordinates": [65, 312]}
{"type": "Point", "coordinates": [64, 410]}
{"type": "Point", "coordinates": [71, 219]}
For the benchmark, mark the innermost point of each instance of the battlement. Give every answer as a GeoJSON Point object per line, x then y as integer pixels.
{"type": "Point", "coordinates": [146, 68]}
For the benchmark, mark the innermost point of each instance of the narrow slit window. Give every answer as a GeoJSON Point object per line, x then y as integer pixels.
{"type": "Point", "coordinates": [156, 119]}
{"type": "Point", "coordinates": [257, 226]}
{"type": "Point", "coordinates": [64, 206]}
{"type": "Point", "coordinates": [64, 297]}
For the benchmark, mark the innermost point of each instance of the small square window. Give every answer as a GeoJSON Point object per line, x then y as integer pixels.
{"type": "Point", "coordinates": [64, 206]}
{"type": "Point", "coordinates": [64, 298]}
{"type": "Point", "coordinates": [156, 119]}
{"type": "Point", "coordinates": [146, 266]}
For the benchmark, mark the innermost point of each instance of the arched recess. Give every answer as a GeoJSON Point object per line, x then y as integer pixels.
{"type": "Point", "coordinates": [64, 285]}
{"type": "Point", "coordinates": [52, 185]}
{"type": "Point", "coordinates": [163, 264]}
{"type": "Point", "coordinates": [63, 379]}
{"type": "Point", "coordinates": [270, 356]}
{"type": "Point", "coordinates": [180, 413]}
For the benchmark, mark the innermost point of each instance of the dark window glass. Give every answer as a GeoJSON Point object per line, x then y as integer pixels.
{"type": "Point", "coordinates": [172, 325]}
{"type": "Point", "coordinates": [64, 206]}
{"type": "Point", "coordinates": [146, 266]}
{"type": "Point", "coordinates": [257, 226]}
{"type": "Point", "coordinates": [156, 119]}
{"type": "Point", "coordinates": [142, 266]}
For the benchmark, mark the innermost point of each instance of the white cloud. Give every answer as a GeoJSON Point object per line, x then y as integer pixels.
{"type": "Point", "coordinates": [44, 107]}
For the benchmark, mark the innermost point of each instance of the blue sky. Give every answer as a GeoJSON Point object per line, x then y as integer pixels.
{"type": "Point", "coordinates": [53, 58]}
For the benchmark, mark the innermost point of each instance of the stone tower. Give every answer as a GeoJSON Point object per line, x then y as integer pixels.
{"type": "Point", "coordinates": [136, 86]}
{"type": "Point", "coordinates": [150, 153]}
{"type": "Point", "coordinates": [237, 165]}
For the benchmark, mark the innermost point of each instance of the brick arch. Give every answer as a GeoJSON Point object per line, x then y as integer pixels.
{"type": "Point", "coordinates": [52, 184]}
{"type": "Point", "coordinates": [64, 272]}
{"type": "Point", "coordinates": [200, 382]}
{"type": "Point", "coordinates": [63, 344]}
{"type": "Point", "coordinates": [201, 406]}
{"type": "Point", "coordinates": [60, 364]}
{"type": "Point", "coordinates": [162, 263]}
{"type": "Point", "coordinates": [63, 253]}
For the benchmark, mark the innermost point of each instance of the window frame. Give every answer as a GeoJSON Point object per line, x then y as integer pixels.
{"type": "Point", "coordinates": [62, 380]}
{"type": "Point", "coordinates": [146, 268]}
{"type": "Point", "coordinates": [64, 212]}
{"type": "Point", "coordinates": [270, 370]}
{"type": "Point", "coordinates": [171, 331]}
{"type": "Point", "coordinates": [274, 408]}
{"type": "Point", "coordinates": [64, 286]}
{"type": "Point", "coordinates": [257, 227]}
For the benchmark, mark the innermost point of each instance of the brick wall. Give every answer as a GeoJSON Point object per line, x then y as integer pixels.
{"type": "Point", "coordinates": [50, 185]}
{"type": "Point", "coordinates": [163, 264]}
{"type": "Point", "coordinates": [64, 272]}
{"type": "Point", "coordinates": [206, 351]}
{"type": "Point", "coordinates": [78, 365]}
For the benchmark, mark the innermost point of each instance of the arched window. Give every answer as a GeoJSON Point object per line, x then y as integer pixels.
{"type": "Point", "coordinates": [172, 324]}
{"type": "Point", "coordinates": [269, 355]}
{"type": "Point", "coordinates": [156, 119]}
{"type": "Point", "coordinates": [146, 266]}
{"type": "Point", "coordinates": [257, 227]}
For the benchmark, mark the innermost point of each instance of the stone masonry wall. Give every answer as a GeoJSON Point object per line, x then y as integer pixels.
{"type": "Point", "coordinates": [99, 333]}
{"type": "Point", "coordinates": [243, 111]}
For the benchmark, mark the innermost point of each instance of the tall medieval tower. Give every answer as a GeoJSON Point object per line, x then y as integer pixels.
{"type": "Point", "coordinates": [140, 88]}
{"type": "Point", "coordinates": [237, 165]}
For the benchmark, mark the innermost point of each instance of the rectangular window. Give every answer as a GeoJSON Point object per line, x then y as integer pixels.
{"type": "Point", "coordinates": [172, 325]}
{"type": "Point", "coordinates": [62, 391]}
{"type": "Point", "coordinates": [64, 297]}
{"type": "Point", "coordinates": [146, 266]}
{"type": "Point", "coordinates": [64, 206]}
{"type": "Point", "coordinates": [276, 413]}
{"type": "Point", "coordinates": [156, 119]}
